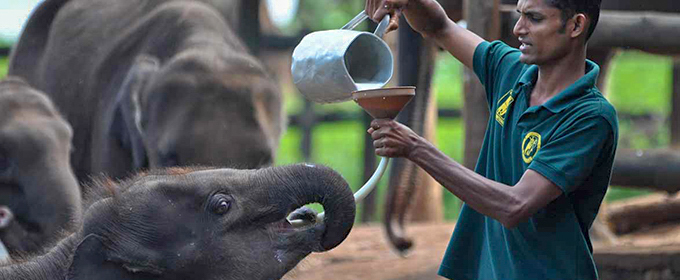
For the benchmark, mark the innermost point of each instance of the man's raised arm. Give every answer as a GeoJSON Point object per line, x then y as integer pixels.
{"type": "Point", "coordinates": [429, 19]}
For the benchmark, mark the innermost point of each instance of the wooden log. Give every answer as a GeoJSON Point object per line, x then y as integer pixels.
{"type": "Point", "coordinates": [653, 169]}
{"type": "Point", "coordinates": [639, 213]}
{"type": "Point", "coordinates": [643, 263]}
{"type": "Point", "coordinates": [647, 31]}
{"type": "Point", "coordinates": [653, 32]}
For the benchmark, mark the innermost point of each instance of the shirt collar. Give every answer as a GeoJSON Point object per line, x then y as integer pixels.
{"type": "Point", "coordinates": [576, 90]}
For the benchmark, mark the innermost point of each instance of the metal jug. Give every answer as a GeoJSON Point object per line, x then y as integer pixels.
{"type": "Point", "coordinates": [329, 65]}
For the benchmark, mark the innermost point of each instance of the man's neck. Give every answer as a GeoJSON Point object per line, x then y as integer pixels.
{"type": "Point", "coordinates": [555, 77]}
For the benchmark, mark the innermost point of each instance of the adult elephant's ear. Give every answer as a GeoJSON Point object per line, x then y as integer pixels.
{"type": "Point", "coordinates": [94, 260]}
{"type": "Point", "coordinates": [126, 125]}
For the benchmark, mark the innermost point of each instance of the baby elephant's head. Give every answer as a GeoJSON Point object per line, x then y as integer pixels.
{"type": "Point", "coordinates": [211, 224]}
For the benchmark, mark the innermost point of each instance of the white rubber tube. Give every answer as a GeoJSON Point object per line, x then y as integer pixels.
{"type": "Point", "coordinates": [359, 196]}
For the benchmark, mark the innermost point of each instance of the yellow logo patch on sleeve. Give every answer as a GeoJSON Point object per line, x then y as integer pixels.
{"type": "Point", "coordinates": [502, 110]}
{"type": "Point", "coordinates": [530, 146]}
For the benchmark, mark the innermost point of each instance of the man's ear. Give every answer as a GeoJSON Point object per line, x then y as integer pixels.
{"type": "Point", "coordinates": [580, 25]}
{"type": "Point", "coordinates": [126, 123]}
{"type": "Point", "coordinates": [93, 259]}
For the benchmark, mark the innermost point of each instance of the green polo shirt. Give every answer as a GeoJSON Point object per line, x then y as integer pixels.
{"type": "Point", "coordinates": [571, 140]}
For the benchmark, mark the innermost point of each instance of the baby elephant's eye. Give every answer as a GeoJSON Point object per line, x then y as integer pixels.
{"type": "Point", "coordinates": [220, 203]}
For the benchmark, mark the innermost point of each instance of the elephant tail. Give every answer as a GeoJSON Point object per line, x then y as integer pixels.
{"type": "Point", "coordinates": [397, 202]}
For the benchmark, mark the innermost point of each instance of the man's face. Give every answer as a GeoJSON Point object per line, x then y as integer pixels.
{"type": "Point", "coordinates": [541, 32]}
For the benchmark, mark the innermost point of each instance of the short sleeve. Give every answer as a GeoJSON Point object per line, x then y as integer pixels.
{"type": "Point", "coordinates": [491, 62]}
{"type": "Point", "coordinates": [570, 156]}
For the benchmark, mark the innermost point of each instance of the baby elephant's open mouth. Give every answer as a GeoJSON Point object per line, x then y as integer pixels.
{"type": "Point", "coordinates": [302, 217]}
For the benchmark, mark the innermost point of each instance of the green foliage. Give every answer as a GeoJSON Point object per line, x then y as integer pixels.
{"type": "Point", "coordinates": [3, 67]}
{"type": "Point", "coordinates": [450, 140]}
{"type": "Point", "coordinates": [447, 83]}
{"type": "Point", "coordinates": [5, 43]}
{"type": "Point", "coordinates": [641, 83]}
{"type": "Point", "coordinates": [323, 15]}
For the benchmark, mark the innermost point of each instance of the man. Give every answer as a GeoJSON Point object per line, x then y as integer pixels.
{"type": "Point", "coordinates": [547, 156]}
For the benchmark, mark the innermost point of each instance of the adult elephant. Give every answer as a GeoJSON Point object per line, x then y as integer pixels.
{"type": "Point", "coordinates": [39, 194]}
{"type": "Point", "coordinates": [150, 84]}
{"type": "Point", "coordinates": [205, 224]}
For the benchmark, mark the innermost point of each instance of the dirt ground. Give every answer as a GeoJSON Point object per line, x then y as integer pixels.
{"type": "Point", "coordinates": [365, 254]}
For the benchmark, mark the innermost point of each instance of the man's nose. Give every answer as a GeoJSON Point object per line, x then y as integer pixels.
{"type": "Point", "coordinates": [520, 27]}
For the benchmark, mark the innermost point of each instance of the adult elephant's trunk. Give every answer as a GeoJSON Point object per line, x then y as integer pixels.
{"type": "Point", "coordinates": [51, 266]}
{"type": "Point", "coordinates": [302, 184]}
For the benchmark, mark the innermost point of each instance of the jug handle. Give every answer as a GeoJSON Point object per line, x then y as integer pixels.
{"type": "Point", "coordinates": [382, 26]}
{"type": "Point", "coordinates": [379, 31]}
{"type": "Point", "coordinates": [356, 20]}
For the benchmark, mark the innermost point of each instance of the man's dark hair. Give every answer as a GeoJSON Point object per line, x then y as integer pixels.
{"type": "Point", "coordinates": [591, 8]}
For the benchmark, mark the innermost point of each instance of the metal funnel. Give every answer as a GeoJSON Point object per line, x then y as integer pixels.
{"type": "Point", "coordinates": [384, 102]}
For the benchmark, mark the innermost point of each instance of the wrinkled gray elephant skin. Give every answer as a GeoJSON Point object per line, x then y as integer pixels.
{"type": "Point", "coordinates": [207, 224]}
{"type": "Point", "coordinates": [149, 84]}
{"type": "Point", "coordinates": [39, 194]}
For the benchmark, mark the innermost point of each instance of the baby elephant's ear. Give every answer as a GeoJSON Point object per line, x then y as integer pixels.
{"type": "Point", "coordinates": [91, 261]}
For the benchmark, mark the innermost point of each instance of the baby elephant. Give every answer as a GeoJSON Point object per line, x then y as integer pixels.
{"type": "Point", "coordinates": [39, 194]}
{"type": "Point", "coordinates": [199, 224]}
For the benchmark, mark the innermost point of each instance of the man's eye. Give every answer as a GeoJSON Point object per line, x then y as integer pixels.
{"type": "Point", "coordinates": [534, 18]}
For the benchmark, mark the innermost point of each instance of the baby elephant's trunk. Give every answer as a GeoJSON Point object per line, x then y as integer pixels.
{"type": "Point", "coordinates": [301, 184]}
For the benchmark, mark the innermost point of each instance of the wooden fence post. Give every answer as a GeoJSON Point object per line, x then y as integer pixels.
{"type": "Point", "coordinates": [249, 27]}
{"type": "Point", "coordinates": [675, 110]}
{"type": "Point", "coordinates": [483, 18]}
